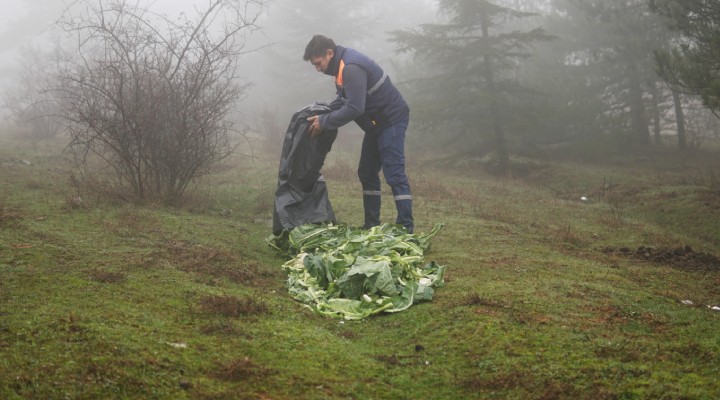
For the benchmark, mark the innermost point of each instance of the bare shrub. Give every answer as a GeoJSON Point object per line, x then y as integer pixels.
{"type": "Point", "coordinates": [150, 95]}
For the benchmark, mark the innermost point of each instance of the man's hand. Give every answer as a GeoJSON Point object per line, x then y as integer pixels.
{"type": "Point", "coordinates": [314, 126]}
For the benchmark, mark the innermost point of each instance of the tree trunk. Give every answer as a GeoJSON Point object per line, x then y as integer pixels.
{"type": "Point", "coordinates": [656, 114]}
{"type": "Point", "coordinates": [500, 141]}
{"type": "Point", "coordinates": [638, 119]}
{"type": "Point", "coordinates": [680, 121]}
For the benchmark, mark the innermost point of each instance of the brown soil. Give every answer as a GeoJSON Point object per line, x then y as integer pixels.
{"type": "Point", "coordinates": [681, 257]}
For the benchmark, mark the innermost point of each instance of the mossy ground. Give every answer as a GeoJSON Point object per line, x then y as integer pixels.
{"type": "Point", "coordinates": [111, 300]}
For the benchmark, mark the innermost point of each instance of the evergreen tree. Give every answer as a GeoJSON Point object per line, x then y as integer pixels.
{"type": "Point", "coordinates": [609, 45]}
{"type": "Point", "coordinates": [472, 89]}
{"type": "Point", "coordinates": [693, 65]}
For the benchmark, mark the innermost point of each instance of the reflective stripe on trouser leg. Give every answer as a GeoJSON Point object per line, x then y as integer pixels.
{"type": "Point", "coordinates": [391, 145]}
{"type": "Point", "coordinates": [369, 174]}
{"type": "Point", "coordinates": [371, 205]}
{"type": "Point", "coordinates": [403, 204]}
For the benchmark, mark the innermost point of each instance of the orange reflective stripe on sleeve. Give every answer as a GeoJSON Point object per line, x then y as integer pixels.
{"type": "Point", "coordinates": [339, 77]}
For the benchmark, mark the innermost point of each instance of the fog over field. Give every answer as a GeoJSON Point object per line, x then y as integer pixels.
{"type": "Point", "coordinates": [482, 78]}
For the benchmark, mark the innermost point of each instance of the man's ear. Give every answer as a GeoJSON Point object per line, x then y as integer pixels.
{"type": "Point", "coordinates": [330, 53]}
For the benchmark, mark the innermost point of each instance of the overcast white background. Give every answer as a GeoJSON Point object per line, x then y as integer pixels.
{"type": "Point", "coordinates": [30, 23]}
{"type": "Point", "coordinates": [23, 22]}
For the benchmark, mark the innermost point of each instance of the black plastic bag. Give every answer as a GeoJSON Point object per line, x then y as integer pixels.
{"type": "Point", "coordinates": [301, 196]}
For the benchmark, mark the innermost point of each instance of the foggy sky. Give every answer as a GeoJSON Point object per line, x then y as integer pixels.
{"type": "Point", "coordinates": [29, 23]}
{"type": "Point", "coordinates": [26, 22]}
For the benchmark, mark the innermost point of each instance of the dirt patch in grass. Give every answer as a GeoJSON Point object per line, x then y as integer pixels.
{"type": "Point", "coordinates": [392, 360]}
{"type": "Point", "coordinates": [495, 382]}
{"type": "Point", "coordinates": [193, 257]}
{"type": "Point", "coordinates": [482, 305]}
{"type": "Point", "coordinates": [548, 389]}
{"type": "Point", "coordinates": [348, 335]}
{"type": "Point", "coordinates": [710, 198]}
{"type": "Point", "coordinates": [8, 216]}
{"type": "Point", "coordinates": [624, 352]}
{"type": "Point", "coordinates": [496, 308]}
{"type": "Point", "coordinates": [132, 221]}
{"type": "Point", "coordinates": [608, 314]}
{"type": "Point", "coordinates": [683, 257]}
{"type": "Point", "coordinates": [239, 370]}
{"type": "Point", "coordinates": [103, 276]}
{"type": "Point", "coordinates": [217, 263]}
{"type": "Point", "coordinates": [475, 299]}
{"type": "Point", "coordinates": [695, 351]}
{"type": "Point", "coordinates": [71, 324]}
{"type": "Point", "coordinates": [566, 236]}
{"type": "Point", "coordinates": [231, 306]}
{"type": "Point", "coordinates": [398, 360]}
{"type": "Point", "coordinates": [224, 327]}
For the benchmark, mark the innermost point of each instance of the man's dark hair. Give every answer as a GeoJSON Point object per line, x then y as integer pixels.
{"type": "Point", "coordinates": [318, 47]}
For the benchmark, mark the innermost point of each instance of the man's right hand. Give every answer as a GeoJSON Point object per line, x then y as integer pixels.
{"type": "Point", "coordinates": [314, 126]}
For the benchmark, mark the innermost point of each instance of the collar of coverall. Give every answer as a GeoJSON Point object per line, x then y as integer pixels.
{"type": "Point", "coordinates": [334, 64]}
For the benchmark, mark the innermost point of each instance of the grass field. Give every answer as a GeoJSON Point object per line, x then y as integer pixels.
{"type": "Point", "coordinates": [547, 296]}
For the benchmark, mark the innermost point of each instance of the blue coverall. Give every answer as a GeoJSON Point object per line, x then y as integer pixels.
{"type": "Point", "coordinates": [367, 96]}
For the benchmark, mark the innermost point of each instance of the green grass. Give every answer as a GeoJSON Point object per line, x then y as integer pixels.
{"type": "Point", "coordinates": [104, 300]}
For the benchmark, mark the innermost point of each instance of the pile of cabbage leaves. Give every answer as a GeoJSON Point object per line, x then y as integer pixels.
{"type": "Point", "coordinates": [352, 273]}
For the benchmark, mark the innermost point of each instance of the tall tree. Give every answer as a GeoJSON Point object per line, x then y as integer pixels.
{"type": "Point", "coordinates": [614, 40]}
{"type": "Point", "coordinates": [679, 120]}
{"type": "Point", "coordinates": [473, 89]}
{"type": "Point", "coordinates": [693, 65]}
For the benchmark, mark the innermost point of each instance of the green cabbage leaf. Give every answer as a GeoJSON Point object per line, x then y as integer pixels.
{"type": "Point", "coordinates": [352, 273]}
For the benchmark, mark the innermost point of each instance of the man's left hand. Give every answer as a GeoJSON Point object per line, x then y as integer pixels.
{"type": "Point", "coordinates": [314, 126]}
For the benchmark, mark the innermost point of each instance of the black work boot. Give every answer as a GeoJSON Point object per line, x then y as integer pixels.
{"type": "Point", "coordinates": [404, 212]}
{"type": "Point", "coordinates": [371, 204]}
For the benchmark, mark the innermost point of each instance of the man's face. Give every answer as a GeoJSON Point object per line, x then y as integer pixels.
{"type": "Point", "coordinates": [321, 63]}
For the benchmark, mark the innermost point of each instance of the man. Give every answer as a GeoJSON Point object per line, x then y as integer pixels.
{"type": "Point", "coordinates": [367, 96]}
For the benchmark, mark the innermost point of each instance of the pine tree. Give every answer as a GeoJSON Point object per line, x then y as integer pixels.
{"type": "Point", "coordinates": [693, 65]}
{"type": "Point", "coordinates": [613, 41]}
{"type": "Point", "coordinates": [471, 87]}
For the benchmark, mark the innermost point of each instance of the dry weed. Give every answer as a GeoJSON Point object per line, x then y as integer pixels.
{"type": "Point", "coordinates": [214, 262]}
{"type": "Point", "coordinates": [231, 306]}
{"type": "Point", "coordinates": [340, 170]}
